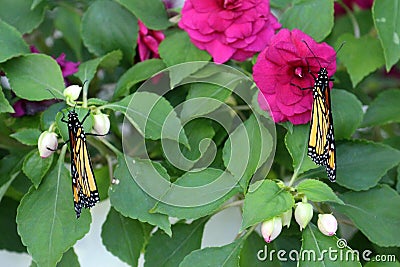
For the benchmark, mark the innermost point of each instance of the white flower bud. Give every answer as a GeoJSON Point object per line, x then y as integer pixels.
{"type": "Point", "coordinates": [303, 214]}
{"type": "Point", "coordinates": [327, 224]}
{"type": "Point", "coordinates": [286, 218]}
{"type": "Point", "coordinates": [101, 124]}
{"type": "Point", "coordinates": [72, 92]}
{"type": "Point", "coordinates": [271, 229]}
{"type": "Point", "coordinates": [47, 143]}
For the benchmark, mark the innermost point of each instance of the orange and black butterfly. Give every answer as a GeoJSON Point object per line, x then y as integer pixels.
{"type": "Point", "coordinates": [321, 141]}
{"type": "Point", "coordinates": [84, 186]}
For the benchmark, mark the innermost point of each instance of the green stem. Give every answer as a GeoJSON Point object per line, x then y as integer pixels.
{"type": "Point", "coordinates": [356, 27]}
{"type": "Point", "coordinates": [248, 232]}
{"type": "Point", "coordinates": [84, 94]}
{"type": "Point", "coordinates": [111, 147]}
{"type": "Point", "coordinates": [294, 176]}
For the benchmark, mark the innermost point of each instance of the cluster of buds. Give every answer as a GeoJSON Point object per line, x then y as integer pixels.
{"type": "Point", "coordinates": [303, 214]}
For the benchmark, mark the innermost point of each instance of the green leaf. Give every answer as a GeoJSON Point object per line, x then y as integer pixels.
{"type": "Point", "coordinates": [127, 191]}
{"type": "Point", "coordinates": [317, 248]}
{"type": "Point", "coordinates": [167, 251]}
{"type": "Point", "coordinates": [191, 190]}
{"type": "Point", "coordinates": [151, 12]}
{"type": "Point", "coordinates": [19, 14]}
{"type": "Point", "coordinates": [375, 213]}
{"type": "Point", "coordinates": [200, 153]}
{"type": "Point", "coordinates": [28, 136]}
{"type": "Point", "coordinates": [35, 167]}
{"type": "Point", "coordinates": [69, 259]}
{"type": "Point", "coordinates": [353, 56]}
{"type": "Point", "coordinates": [382, 264]}
{"type": "Point", "coordinates": [48, 116]}
{"type": "Point", "coordinates": [152, 115]}
{"type": "Point", "coordinates": [117, 229]}
{"type": "Point", "coordinates": [102, 175]}
{"type": "Point", "coordinates": [317, 191]}
{"type": "Point", "coordinates": [264, 201]}
{"type": "Point", "coordinates": [46, 218]}
{"type": "Point", "coordinates": [11, 42]}
{"type": "Point", "coordinates": [225, 256]}
{"type": "Point", "coordinates": [248, 147]}
{"type": "Point", "coordinates": [5, 107]}
{"type": "Point", "coordinates": [177, 48]}
{"type": "Point", "coordinates": [383, 109]}
{"type": "Point", "coordinates": [203, 98]}
{"type": "Point", "coordinates": [32, 75]}
{"type": "Point", "coordinates": [361, 164]}
{"type": "Point", "coordinates": [299, 14]}
{"type": "Point", "coordinates": [35, 3]}
{"type": "Point", "coordinates": [137, 73]}
{"type": "Point", "coordinates": [249, 256]}
{"type": "Point", "coordinates": [10, 239]}
{"type": "Point", "coordinates": [68, 20]}
{"type": "Point", "coordinates": [88, 69]}
{"type": "Point", "coordinates": [343, 104]}
{"type": "Point", "coordinates": [297, 145]}
{"type": "Point", "coordinates": [107, 26]}
{"type": "Point", "coordinates": [387, 22]}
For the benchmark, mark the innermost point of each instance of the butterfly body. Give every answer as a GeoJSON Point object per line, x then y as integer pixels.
{"type": "Point", "coordinates": [84, 186]}
{"type": "Point", "coordinates": [321, 143]}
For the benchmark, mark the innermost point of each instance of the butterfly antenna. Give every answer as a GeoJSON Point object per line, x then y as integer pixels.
{"type": "Point", "coordinates": [312, 53]}
{"type": "Point", "coordinates": [337, 52]}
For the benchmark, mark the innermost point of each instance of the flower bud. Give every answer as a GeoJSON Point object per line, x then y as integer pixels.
{"type": "Point", "coordinates": [47, 143]}
{"type": "Point", "coordinates": [327, 224]}
{"type": "Point", "coordinates": [72, 92]}
{"type": "Point", "coordinates": [303, 214]}
{"type": "Point", "coordinates": [271, 229]}
{"type": "Point", "coordinates": [286, 218]}
{"type": "Point", "coordinates": [101, 124]}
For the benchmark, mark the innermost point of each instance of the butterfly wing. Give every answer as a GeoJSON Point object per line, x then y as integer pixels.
{"type": "Point", "coordinates": [84, 186]}
{"type": "Point", "coordinates": [321, 144]}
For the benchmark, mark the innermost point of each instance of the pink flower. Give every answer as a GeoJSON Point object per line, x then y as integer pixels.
{"type": "Point", "coordinates": [148, 42]}
{"type": "Point", "coordinates": [229, 29]}
{"type": "Point", "coordinates": [67, 67]}
{"type": "Point", "coordinates": [284, 62]}
{"type": "Point", "coordinates": [362, 4]}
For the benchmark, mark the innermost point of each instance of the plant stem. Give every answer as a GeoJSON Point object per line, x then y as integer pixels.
{"type": "Point", "coordinates": [356, 27]}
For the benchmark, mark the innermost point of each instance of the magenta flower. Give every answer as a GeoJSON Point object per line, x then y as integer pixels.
{"type": "Point", "coordinates": [362, 4]}
{"type": "Point", "coordinates": [229, 29]}
{"type": "Point", "coordinates": [284, 62]}
{"type": "Point", "coordinates": [148, 42]}
{"type": "Point", "coordinates": [67, 67]}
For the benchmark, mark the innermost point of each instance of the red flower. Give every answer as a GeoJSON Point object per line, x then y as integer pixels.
{"type": "Point", "coordinates": [148, 42]}
{"type": "Point", "coordinates": [228, 29]}
{"type": "Point", "coordinates": [285, 62]}
{"type": "Point", "coordinates": [363, 4]}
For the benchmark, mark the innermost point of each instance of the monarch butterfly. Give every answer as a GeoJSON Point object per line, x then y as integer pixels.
{"type": "Point", "coordinates": [321, 141]}
{"type": "Point", "coordinates": [84, 186]}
